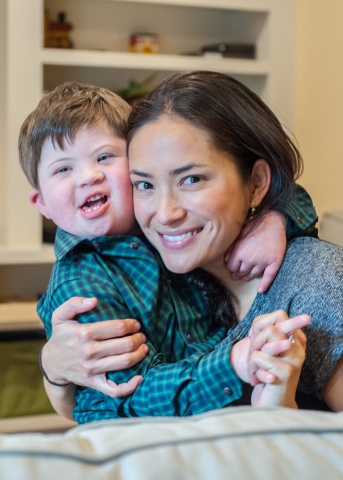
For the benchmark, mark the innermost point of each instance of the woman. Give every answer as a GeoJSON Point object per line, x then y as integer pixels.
{"type": "Point", "coordinates": [228, 162]}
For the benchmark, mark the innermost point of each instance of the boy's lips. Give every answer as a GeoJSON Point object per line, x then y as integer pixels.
{"type": "Point", "coordinates": [94, 203]}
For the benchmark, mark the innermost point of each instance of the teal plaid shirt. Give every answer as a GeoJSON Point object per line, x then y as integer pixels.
{"type": "Point", "coordinates": [301, 215]}
{"type": "Point", "coordinates": [182, 373]}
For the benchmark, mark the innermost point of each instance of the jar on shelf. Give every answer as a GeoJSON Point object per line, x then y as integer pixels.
{"type": "Point", "coordinates": [145, 43]}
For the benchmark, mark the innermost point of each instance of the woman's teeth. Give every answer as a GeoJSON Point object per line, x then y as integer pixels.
{"type": "Point", "coordinates": [178, 238]}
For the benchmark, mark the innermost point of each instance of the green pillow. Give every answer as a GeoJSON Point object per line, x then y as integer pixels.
{"type": "Point", "coordinates": [22, 390]}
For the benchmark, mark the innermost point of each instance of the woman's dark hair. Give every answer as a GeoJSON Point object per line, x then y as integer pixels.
{"type": "Point", "coordinates": [238, 123]}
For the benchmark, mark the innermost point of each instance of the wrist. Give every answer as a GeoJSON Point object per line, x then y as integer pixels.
{"type": "Point", "coordinates": [52, 381]}
{"type": "Point", "coordinates": [238, 359]}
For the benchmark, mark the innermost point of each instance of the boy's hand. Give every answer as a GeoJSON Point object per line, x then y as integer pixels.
{"type": "Point", "coordinates": [77, 353]}
{"type": "Point", "coordinates": [261, 252]}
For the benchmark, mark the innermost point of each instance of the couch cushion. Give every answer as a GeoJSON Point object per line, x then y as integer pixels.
{"type": "Point", "coordinates": [236, 443]}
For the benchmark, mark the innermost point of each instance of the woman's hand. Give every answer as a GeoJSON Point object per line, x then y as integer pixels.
{"type": "Point", "coordinates": [259, 253]}
{"type": "Point", "coordinates": [78, 353]}
{"type": "Point", "coordinates": [275, 358]}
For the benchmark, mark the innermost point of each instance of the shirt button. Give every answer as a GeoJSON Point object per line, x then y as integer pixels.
{"type": "Point", "coordinates": [227, 391]}
{"type": "Point", "coordinates": [299, 219]}
{"type": "Point", "coordinates": [96, 244]}
{"type": "Point", "coordinates": [190, 337]}
{"type": "Point", "coordinates": [134, 245]}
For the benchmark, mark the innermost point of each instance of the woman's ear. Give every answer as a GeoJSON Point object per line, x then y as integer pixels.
{"type": "Point", "coordinates": [36, 198]}
{"type": "Point", "coordinates": [261, 177]}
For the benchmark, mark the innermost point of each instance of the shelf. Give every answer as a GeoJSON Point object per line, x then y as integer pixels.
{"type": "Point", "coordinates": [45, 254]}
{"type": "Point", "coordinates": [90, 58]}
{"type": "Point", "coordinates": [19, 316]}
{"type": "Point", "coordinates": [36, 423]}
{"type": "Point", "coordinates": [262, 6]}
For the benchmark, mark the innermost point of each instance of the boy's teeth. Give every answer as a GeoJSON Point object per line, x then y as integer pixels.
{"type": "Point", "coordinates": [96, 197]}
{"type": "Point", "coordinates": [96, 207]}
{"type": "Point", "coordinates": [94, 203]}
{"type": "Point", "coordinates": [178, 238]}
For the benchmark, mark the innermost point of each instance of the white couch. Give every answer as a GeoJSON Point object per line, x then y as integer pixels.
{"type": "Point", "coordinates": [235, 443]}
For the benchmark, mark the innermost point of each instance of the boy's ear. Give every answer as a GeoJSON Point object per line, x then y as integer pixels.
{"type": "Point", "coordinates": [36, 198]}
{"type": "Point", "coordinates": [261, 177]}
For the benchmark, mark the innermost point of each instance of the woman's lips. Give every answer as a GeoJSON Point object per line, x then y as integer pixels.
{"type": "Point", "coordinates": [183, 236]}
{"type": "Point", "coordinates": [179, 240]}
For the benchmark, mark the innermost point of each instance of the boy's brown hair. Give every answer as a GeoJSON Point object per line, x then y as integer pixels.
{"type": "Point", "coordinates": [61, 113]}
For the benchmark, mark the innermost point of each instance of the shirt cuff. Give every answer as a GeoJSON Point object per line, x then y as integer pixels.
{"type": "Point", "coordinates": [216, 374]}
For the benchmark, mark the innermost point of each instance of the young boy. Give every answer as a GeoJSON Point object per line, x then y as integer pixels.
{"type": "Point", "coordinates": [73, 151]}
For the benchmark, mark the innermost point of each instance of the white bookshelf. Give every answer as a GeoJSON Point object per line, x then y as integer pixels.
{"type": "Point", "coordinates": [47, 423]}
{"type": "Point", "coordinates": [19, 316]}
{"type": "Point", "coordinates": [101, 56]}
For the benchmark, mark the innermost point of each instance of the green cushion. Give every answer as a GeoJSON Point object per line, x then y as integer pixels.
{"type": "Point", "coordinates": [22, 390]}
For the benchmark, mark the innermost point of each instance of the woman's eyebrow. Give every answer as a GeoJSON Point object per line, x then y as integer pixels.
{"type": "Point", "coordinates": [140, 174]}
{"type": "Point", "coordinates": [172, 173]}
{"type": "Point", "coordinates": [177, 171]}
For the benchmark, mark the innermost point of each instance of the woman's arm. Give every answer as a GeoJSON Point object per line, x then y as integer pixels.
{"type": "Point", "coordinates": [199, 382]}
{"type": "Point", "coordinates": [333, 394]}
{"type": "Point", "coordinates": [79, 353]}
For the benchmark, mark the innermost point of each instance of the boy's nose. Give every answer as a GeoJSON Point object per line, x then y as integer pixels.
{"type": "Point", "coordinates": [90, 177]}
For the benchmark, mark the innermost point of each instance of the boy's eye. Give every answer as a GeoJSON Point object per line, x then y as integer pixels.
{"type": "Point", "coordinates": [63, 169]}
{"type": "Point", "coordinates": [141, 186]}
{"type": "Point", "coordinates": [104, 157]}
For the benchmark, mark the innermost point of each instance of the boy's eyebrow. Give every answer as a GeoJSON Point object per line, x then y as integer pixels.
{"type": "Point", "coordinates": [172, 173]}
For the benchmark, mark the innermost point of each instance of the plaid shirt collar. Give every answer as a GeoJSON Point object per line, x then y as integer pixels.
{"type": "Point", "coordinates": [127, 245]}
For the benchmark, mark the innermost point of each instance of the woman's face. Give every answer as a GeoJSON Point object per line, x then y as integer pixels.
{"type": "Point", "coordinates": [189, 199]}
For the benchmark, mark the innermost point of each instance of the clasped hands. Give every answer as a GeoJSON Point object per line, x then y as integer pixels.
{"type": "Point", "coordinates": [83, 353]}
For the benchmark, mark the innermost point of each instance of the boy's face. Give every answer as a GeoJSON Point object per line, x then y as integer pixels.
{"type": "Point", "coordinates": [85, 188]}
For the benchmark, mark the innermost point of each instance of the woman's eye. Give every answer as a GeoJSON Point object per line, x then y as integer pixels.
{"type": "Point", "coordinates": [141, 186]}
{"type": "Point", "coordinates": [192, 179]}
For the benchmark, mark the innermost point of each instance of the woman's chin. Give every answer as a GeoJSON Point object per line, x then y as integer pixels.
{"type": "Point", "coordinates": [178, 266]}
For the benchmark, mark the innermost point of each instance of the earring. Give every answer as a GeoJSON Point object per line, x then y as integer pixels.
{"type": "Point", "coordinates": [252, 213]}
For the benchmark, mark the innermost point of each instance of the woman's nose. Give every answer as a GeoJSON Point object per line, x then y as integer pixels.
{"type": "Point", "coordinates": [170, 210]}
{"type": "Point", "coordinates": [90, 176]}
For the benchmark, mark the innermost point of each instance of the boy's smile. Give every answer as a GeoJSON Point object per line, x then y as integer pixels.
{"type": "Point", "coordinates": [85, 187]}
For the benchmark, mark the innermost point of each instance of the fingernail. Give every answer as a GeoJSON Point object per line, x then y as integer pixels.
{"type": "Point", "coordinates": [88, 301]}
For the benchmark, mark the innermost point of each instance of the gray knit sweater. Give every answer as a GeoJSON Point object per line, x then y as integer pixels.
{"type": "Point", "coordinates": [310, 281]}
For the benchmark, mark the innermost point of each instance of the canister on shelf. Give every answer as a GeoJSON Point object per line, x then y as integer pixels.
{"type": "Point", "coordinates": [144, 43]}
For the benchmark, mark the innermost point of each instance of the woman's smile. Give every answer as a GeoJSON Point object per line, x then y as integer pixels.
{"type": "Point", "coordinates": [189, 199]}
{"type": "Point", "coordinates": [179, 240]}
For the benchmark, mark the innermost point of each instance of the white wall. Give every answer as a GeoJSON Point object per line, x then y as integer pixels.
{"type": "Point", "coordinates": [318, 124]}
